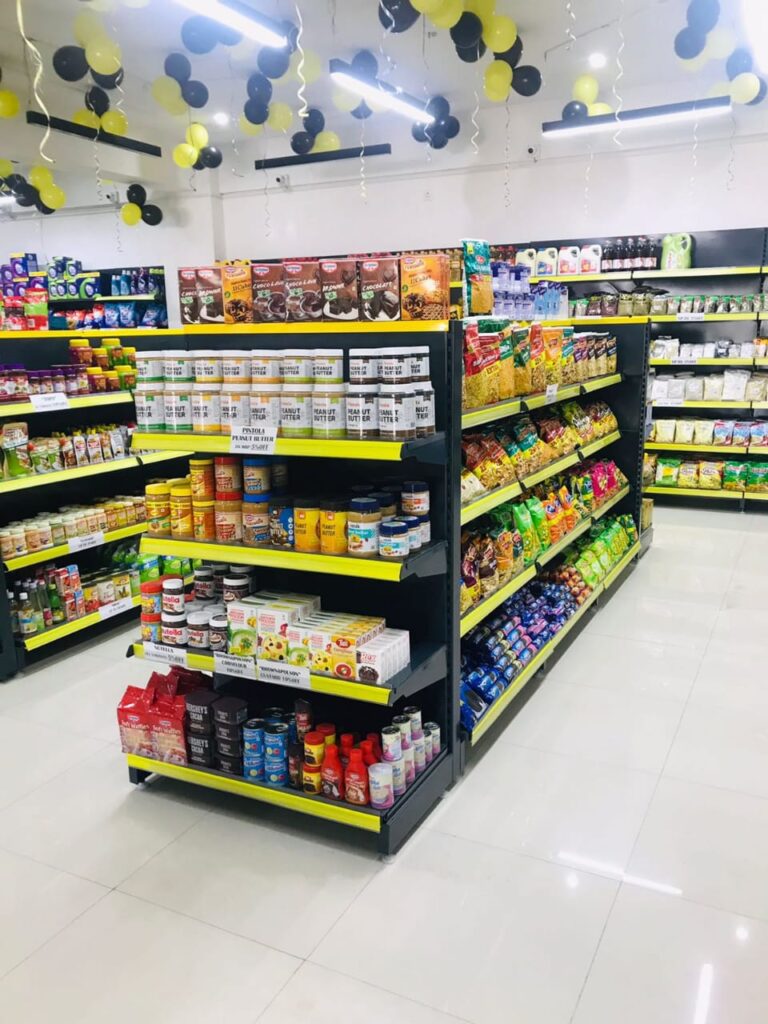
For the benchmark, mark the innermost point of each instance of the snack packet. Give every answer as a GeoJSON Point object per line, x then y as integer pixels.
{"type": "Point", "coordinates": [478, 278]}
{"type": "Point", "coordinates": [528, 535]}
{"type": "Point", "coordinates": [667, 472]}
{"type": "Point", "coordinates": [735, 476]}
{"type": "Point", "coordinates": [521, 353]}
{"type": "Point", "coordinates": [710, 476]}
{"type": "Point", "coordinates": [688, 475]}
{"type": "Point", "coordinates": [538, 360]}
{"type": "Point", "coordinates": [539, 520]}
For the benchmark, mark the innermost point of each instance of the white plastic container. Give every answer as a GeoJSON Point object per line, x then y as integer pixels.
{"type": "Point", "coordinates": [178, 408]}
{"type": "Point", "coordinates": [206, 408]}
{"type": "Point", "coordinates": [207, 366]}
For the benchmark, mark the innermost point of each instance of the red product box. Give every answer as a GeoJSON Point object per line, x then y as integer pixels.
{"type": "Point", "coordinates": [133, 719]}
{"type": "Point", "coordinates": [166, 722]}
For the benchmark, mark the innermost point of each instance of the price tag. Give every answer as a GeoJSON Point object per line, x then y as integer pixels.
{"type": "Point", "coordinates": [551, 392]}
{"type": "Point", "coordinates": [690, 317]}
{"type": "Point", "coordinates": [53, 402]}
{"type": "Point", "coordinates": [679, 361]}
{"type": "Point", "coordinates": [234, 665]}
{"type": "Point", "coordinates": [165, 654]}
{"type": "Point", "coordinates": [108, 611]}
{"type": "Point", "coordinates": [672, 403]}
{"type": "Point", "coordinates": [284, 675]}
{"type": "Point", "coordinates": [254, 440]}
{"type": "Point", "coordinates": [90, 540]}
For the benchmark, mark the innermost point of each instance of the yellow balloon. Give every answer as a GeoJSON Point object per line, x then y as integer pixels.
{"type": "Point", "coordinates": [166, 90]}
{"type": "Point", "coordinates": [344, 100]}
{"type": "Point", "coordinates": [313, 67]}
{"type": "Point", "coordinates": [499, 33]}
{"type": "Point", "coordinates": [9, 103]}
{"type": "Point", "coordinates": [197, 135]}
{"type": "Point", "coordinates": [695, 63]}
{"type": "Point", "coordinates": [448, 15]}
{"type": "Point", "coordinates": [586, 89]}
{"type": "Point", "coordinates": [103, 55]}
{"type": "Point", "coordinates": [86, 118]}
{"type": "Point", "coordinates": [130, 214]}
{"type": "Point", "coordinates": [745, 87]}
{"type": "Point", "coordinates": [427, 6]}
{"type": "Point", "coordinates": [326, 142]}
{"type": "Point", "coordinates": [6, 168]}
{"type": "Point", "coordinates": [498, 93]}
{"type": "Point", "coordinates": [88, 26]}
{"type": "Point", "coordinates": [185, 155]}
{"type": "Point", "coordinates": [719, 89]}
{"type": "Point", "coordinates": [115, 122]}
{"type": "Point", "coordinates": [280, 117]}
{"type": "Point", "coordinates": [53, 197]}
{"type": "Point", "coordinates": [598, 109]}
{"type": "Point", "coordinates": [721, 42]}
{"type": "Point", "coordinates": [498, 77]}
{"type": "Point", "coordinates": [249, 129]}
{"type": "Point", "coordinates": [484, 9]}
{"type": "Point", "coordinates": [40, 177]}
{"type": "Point", "coordinates": [177, 108]}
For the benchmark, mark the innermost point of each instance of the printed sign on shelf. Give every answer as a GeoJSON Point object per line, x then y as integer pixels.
{"type": "Point", "coordinates": [551, 392]}
{"type": "Point", "coordinates": [690, 317]}
{"type": "Point", "coordinates": [284, 675]}
{"type": "Point", "coordinates": [54, 401]}
{"type": "Point", "coordinates": [234, 665]}
{"type": "Point", "coordinates": [89, 540]}
{"type": "Point", "coordinates": [165, 654]}
{"type": "Point", "coordinates": [108, 611]}
{"type": "Point", "coordinates": [254, 440]}
{"type": "Point", "coordinates": [680, 361]}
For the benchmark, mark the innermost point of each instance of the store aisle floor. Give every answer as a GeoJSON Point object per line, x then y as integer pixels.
{"type": "Point", "coordinates": [603, 861]}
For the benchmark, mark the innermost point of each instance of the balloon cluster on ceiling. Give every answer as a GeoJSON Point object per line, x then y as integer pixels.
{"type": "Point", "coordinates": [195, 153]}
{"type": "Point", "coordinates": [136, 208]}
{"type": "Point", "coordinates": [314, 138]}
{"type": "Point", "coordinates": [9, 101]}
{"type": "Point", "coordinates": [100, 55]}
{"type": "Point", "coordinates": [703, 40]}
{"type": "Point", "coordinates": [38, 190]}
{"type": "Point", "coordinates": [584, 100]}
{"type": "Point", "coordinates": [444, 127]}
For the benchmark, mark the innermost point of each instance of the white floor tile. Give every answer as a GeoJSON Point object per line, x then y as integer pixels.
{"type": "Point", "coordinates": [688, 582]}
{"type": "Point", "coordinates": [36, 902]}
{"type": "Point", "coordinates": [744, 628]}
{"type": "Point", "coordinates": [730, 677]}
{"type": "Point", "coordinates": [548, 805]}
{"type": "Point", "coordinates": [326, 997]}
{"type": "Point", "coordinates": [46, 677]}
{"type": "Point", "coordinates": [476, 932]}
{"type": "Point", "coordinates": [635, 732]}
{"type": "Point", "coordinates": [647, 618]}
{"type": "Point", "coordinates": [669, 961]}
{"type": "Point", "coordinates": [710, 843]}
{"type": "Point", "coordinates": [92, 821]}
{"type": "Point", "coordinates": [297, 887]}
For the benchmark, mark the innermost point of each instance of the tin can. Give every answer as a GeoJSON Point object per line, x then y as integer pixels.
{"type": "Point", "coordinates": [253, 737]}
{"type": "Point", "coordinates": [420, 753]}
{"type": "Point", "coordinates": [410, 766]}
{"type": "Point", "coordinates": [276, 772]}
{"type": "Point", "coordinates": [415, 716]}
{"type": "Point", "coordinates": [403, 723]}
{"type": "Point", "coordinates": [433, 730]}
{"type": "Point", "coordinates": [276, 741]}
{"type": "Point", "coordinates": [398, 776]}
{"type": "Point", "coordinates": [273, 715]}
{"type": "Point", "coordinates": [391, 743]}
{"type": "Point", "coordinates": [381, 786]}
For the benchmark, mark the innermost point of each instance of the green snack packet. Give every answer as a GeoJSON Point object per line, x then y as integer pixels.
{"type": "Point", "coordinates": [540, 523]}
{"type": "Point", "coordinates": [528, 535]}
{"type": "Point", "coordinates": [735, 476]}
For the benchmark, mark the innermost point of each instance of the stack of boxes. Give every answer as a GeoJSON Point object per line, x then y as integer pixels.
{"type": "Point", "coordinates": [24, 305]}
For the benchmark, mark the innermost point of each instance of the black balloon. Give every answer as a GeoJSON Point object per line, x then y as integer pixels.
{"type": "Point", "coordinates": [313, 121]}
{"type": "Point", "coordinates": [16, 183]}
{"type": "Point", "coordinates": [761, 95]}
{"type": "Point", "coordinates": [437, 140]}
{"type": "Point", "coordinates": [259, 87]}
{"type": "Point", "coordinates": [291, 34]}
{"type": "Point", "coordinates": [449, 126]}
{"type": "Point", "coordinates": [361, 111]}
{"type": "Point", "coordinates": [108, 81]}
{"type": "Point", "coordinates": [228, 36]}
{"type": "Point", "coordinates": [97, 100]}
{"type": "Point", "coordinates": [27, 196]}
{"type": "Point", "coordinates": [177, 66]}
{"type": "Point", "coordinates": [703, 15]}
{"type": "Point", "coordinates": [739, 63]}
{"type": "Point", "coordinates": [198, 165]}
{"type": "Point", "coordinates": [419, 132]}
{"type": "Point", "coordinates": [211, 156]}
{"type": "Point", "coordinates": [575, 111]}
{"type": "Point", "coordinates": [438, 107]}
{"type": "Point", "coordinates": [689, 43]}
{"type": "Point", "coordinates": [468, 30]}
{"type": "Point", "coordinates": [69, 63]}
{"type": "Point", "coordinates": [195, 93]}
{"type": "Point", "coordinates": [256, 111]}
{"type": "Point", "coordinates": [137, 194]}
{"type": "Point", "coordinates": [199, 34]}
{"type": "Point", "coordinates": [526, 80]}
{"type": "Point", "coordinates": [273, 63]}
{"type": "Point", "coordinates": [43, 208]}
{"type": "Point", "coordinates": [364, 63]}
{"type": "Point", "coordinates": [471, 54]}
{"type": "Point", "coordinates": [302, 143]}
{"type": "Point", "coordinates": [397, 15]}
{"type": "Point", "coordinates": [513, 54]}
{"type": "Point", "coordinates": [152, 215]}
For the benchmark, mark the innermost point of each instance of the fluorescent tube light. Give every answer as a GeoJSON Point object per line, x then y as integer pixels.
{"type": "Point", "coordinates": [380, 93]}
{"type": "Point", "coordinates": [671, 113]}
{"type": "Point", "coordinates": [755, 18]}
{"type": "Point", "coordinates": [240, 17]}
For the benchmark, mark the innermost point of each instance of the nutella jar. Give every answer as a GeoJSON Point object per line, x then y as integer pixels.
{"type": "Point", "coordinates": [364, 366]}
{"type": "Point", "coordinates": [395, 366]}
{"type": "Point", "coordinates": [397, 412]}
{"type": "Point", "coordinates": [363, 412]}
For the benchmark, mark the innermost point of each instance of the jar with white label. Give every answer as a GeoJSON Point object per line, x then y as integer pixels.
{"type": "Point", "coordinates": [363, 411]}
{"type": "Point", "coordinates": [178, 408]}
{"type": "Point", "coordinates": [178, 367]}
{"type": "Point", "coordinates": [206, 408]}
{"type": "Point", "coordinates": [198, 629]}
{"type": "Point", "coordinates": [266, 366]}
{"type": "Point", "coordinates": [297, 366]}
{"type": "Point", "coordinates": [296, 410]}
{"type": "Point", "coordinates": [207, 366]}
{"type": "Point", "coordinates": [174, 630]}
{"type": "Point", "coordinates": [364, 366]}
{"type": "Point", "coordinates": [235, 406]}
{"type": "Point", "coordinates": [420, 364]}
{"type": "Point", "coordinates": [149, 367]}
{"type": "Point", "coordinates": [424, 398]}
{"type": "Point", "coordinates": [397, 412]}
{"type": "Point", "coordinates": [328, 366]}
{"type": "Point", "coordinates": [265, 404]}
{"type": "Point", "coordinates": [236, 366]}
{"type": "Point", "coordinates": [395, 366]}
{"type": "Point", "coordinates": [150, 408]}
{"type": "Point", "coordinates": [329, 411]}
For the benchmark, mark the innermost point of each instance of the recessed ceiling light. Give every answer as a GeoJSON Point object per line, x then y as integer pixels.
{"type": "Point", "coordinates": [597, 61]}
{"type": "Point", "coordinates": [221, 118]}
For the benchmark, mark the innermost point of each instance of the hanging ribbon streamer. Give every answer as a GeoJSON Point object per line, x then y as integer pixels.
{"type": "Point", "coordinates": [391, 64]}
{"type": "Point", "coordinates": [731, 172]}
{"type": "Point", "coordinates": [303, 108]}
{"type": "Point", "coordinates": [363, 181]}
{"type": "Point", "coordinates": [475, 124]}
{"type": "Point", "coordinates": [267, 211]}
{"type": "Point", "coordinates": [570, 24]}
{"type": "Point", "coordinates": [37, 60]}
{"type": "Point", "coordinates": [620, 71]}
{"type": "Point", "coordinates": [694, 161]}
{"type": "Point", "coordinates": [233, 121]}
{"type": "Point", "coordinates": [332, 14]}
{"type": "Point", "coordinates": [507, 159]}
{"type": "Point", "coordinates": [588, 181]}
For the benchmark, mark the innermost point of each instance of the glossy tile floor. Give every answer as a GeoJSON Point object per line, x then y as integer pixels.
{"type": "Point", "coordinates": [605, 859]}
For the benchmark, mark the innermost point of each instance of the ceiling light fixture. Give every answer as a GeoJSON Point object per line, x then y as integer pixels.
{"type": "Point", "coordinates": [755, 18]}
{"type": "Point", "coordinates": [597, 61]}
{"type": "Point", "coordinates": [379, 92]}
{"type": "Point", "coordinates": [670, 113]}
{"type": "Point", "coordinates": [240, 17]}
{"type": "Point", "coordinates": [221, 119]}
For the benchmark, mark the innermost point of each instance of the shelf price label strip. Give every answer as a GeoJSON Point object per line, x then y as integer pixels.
{"type": "Point", "coordinates": [512, 406]}
{"type": "Point", "coordinates": [223, 444]}
{"type": "Point", "coordinates": [107, 611]}
{"type": "Point", "coordinates": [91, 540]}
{"type": "Point", "coordinates": [695, 492]}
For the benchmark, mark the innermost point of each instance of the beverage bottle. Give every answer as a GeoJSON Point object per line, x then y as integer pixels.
{"type": "Point", "coordinates": [27, 622]}
{"type": "Point", "coordinates": [332, 774]}
{"type": "Point", "coordinates": [376, 745]}
{"type": "Point", "coordinates": [57, 611]}
{"type": "Point", "coordinates": [13, 604]}
{"type": "Point", "coordinates": [654, 260]}
{"type": "Point", "coordinates": [356, 778]}
{"type": "Point", "coordinates": [42, 601]}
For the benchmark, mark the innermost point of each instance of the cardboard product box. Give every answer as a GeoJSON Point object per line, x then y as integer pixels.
{"type": "Point", "coordinates": [133, 720]}
{"type": "Point", "coordinates": [274, 620]}
{"type": "Point", "coordinates": [189, 300]}
{"type": "Point", "coordinates": [303, 292]}
{"type": "Point", "coordinates": [268, 286]}
{"type": "Point", "coordinates": [338, 283]}
{"type": "Point", "coordinates": [379, 288]}
{"type": "Point", "coordinates": [425, 287]}
{"type": "Point", "coordinates": [167, 729]}
{"type": "Point", "coordinates": [242, 628]}
{"type": "Point", "coordinates": [238, 294]}
{"type": "Point", "coordinates": [210, 293]}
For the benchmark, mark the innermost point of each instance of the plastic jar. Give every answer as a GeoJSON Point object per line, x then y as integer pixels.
{"type": "Point", "coordinates": [80, 351]}
{"type": "Point", "coordinates": [329, 416]}
{"type": "Point", "coordinates": [207, 368]}
{"type": "Point", "coordinates": [255, 510]}
{"type": "Point", "coordinates": [265, 404]}
{"type": "Point", "coordinates": [198, 630]}
{"type": "Point", "coordinates": [150, 408]}
{"type": "Point", "coordinates": [228, 515]}
{"type": "Point", "coordinates": [362, 409]}
{"type": "Point", "coordinates": [129, 355]}
{"type": "Point", "coordinates": [297, 366]}
{"type": "Point", "coordinates": [151, 628]}
{"type": "Point", "coordinates": [395, 366]}
{"type": "Point", "coordinates": [178, 367]}
{"type": "Point", "coordinates": [152, 597]}
{"type": "Point", "coordinates": [281, 523]}
{"type": "Point", "coordinates": [204, 585]}
{"type": "Point", "coordinates": [257, 477]}
{"type": "Point", "coordinates": [32, 536]}
{"type": "Point", "coordinates": [393, 540]}
{"type": "Point", "coordinates": [58, 534]}
{"type": "Point", "coordinates": [414, 530]}
{"type": "Point", "coordinates": [414, 498]}
{"type": "Point", "coordinates": [174, 630]}
{"type": "Point", "coordinates": [217, 633]}
{"type": "Point", "coordinates": [204, 519]}
{"type": "Point", "coordinates": [426, 529]}
{"type": "Point", "coordinates": [296, 410]}
{"type": "Point", "coordinates": [178, 408]}
{"type": "Point", "coordinates": [333, 527]}
{"type": "Point", "coordinates": [235, 406]}
{"type": "Point", "coordinates": [228, 474]}
{"type": "Point", "coordinates": [181, 512]}
{"type": "Point", "coordinates": [100, 357]}
{"type": "Point", "coordinates": [397, 412]}
{"type": "Point", "coordinates": [158, 497]}
{"type": "Point", "coordinates": [70, 522]}
{"type": "Point", "coordinates": [18, 540]}
{"type": "Point", "coordinates": [83, 384]}
{"type": "Point", "coordinates": [44, 529]}
{"type": "Point", "coordinates": [420, 363]}
{"type": "Point", "coordinates": [363, 522]}
{"type": "Point", "coordinates": [126, 376]}
{"type": "Point", "coordinates": [266, 366]}
{"type": "Point", "coordinates": [201, 479]}
{"type": "Point", "coordinates": [387, 504]}
{"type": "Point", "coordinates": [97, 382]}
{"type": "Point", "coordinates": [424, 408]}
{"type": "Point", "coordinates": [364, 366]}
{"type": "Point", "coordinates": [279, 476]}
{"type": "Point", "coordinates": [70, 381]}
{"type": "Point", "coordinates": [236, 367]}
{"type": "Point", "coordinates": [328, 366]}
{"type": "Point", "coordinates": [112, 379]}
{"type": "Point", "coordinates": [173, 600]}
{"type": "Point", "coordinates": [306, 525]}
{"type": "Point", "coordinates": [235, 588]}
{"type": "Point", "coordinates": [6, 545]}
{"type": "Point", "coordinates": [206, 408]}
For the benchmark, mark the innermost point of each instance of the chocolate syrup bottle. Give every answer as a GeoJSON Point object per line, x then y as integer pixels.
{"type": "Point", "coordinates": [629, 255]}
{"type": "Point", "coordinates": [619, 254]}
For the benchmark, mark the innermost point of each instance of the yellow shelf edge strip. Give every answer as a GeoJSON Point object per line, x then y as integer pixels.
{"type": "Point", "coordinates": [640, 275]}
{"type": "Point", "coordinates": [599, 443]}
{"type": "Point", "coordinates": [78, 402]}
{"type": "Point", "coordinates": [489, 604]}
{"type": "Point", "coordinates": [105, 332]}
{"type": "Point", "coordinates": [565, 542]}
{"type": "Point", "coordinates": [694, 492]}
{"type": "Point", "coordinates": [597, 383]}
{"type": "Point", "coordinates": [658, 446]}
{"type": "Point", "coordinates": [67, 628]}
{"type": "Point", "coordinates": [489, 501]}
{"type": "Point", "coordinates": [278, 797]}
{"type": "Point", "coordinates": [219, 444]}
{"type": "Point", "coordinates": [321, 327]}
{"type": "Point", "coordinates": [62, 476]}
{"type": "Point", "coordinates": [60, 550]}
{"type": "Point", "coordinates": [708, 318]}
{"type": "Point", "coordinates": [489, 413]}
